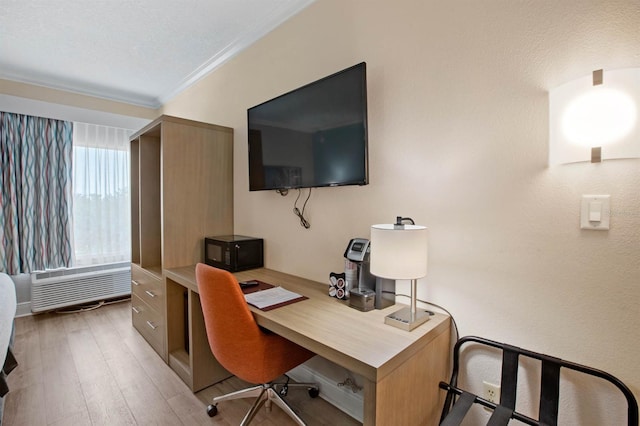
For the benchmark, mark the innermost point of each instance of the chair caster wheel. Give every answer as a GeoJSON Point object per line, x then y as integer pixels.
{"type": "Point", "coordinates": [212, 410]}
{"type": "Point", "coordinates": [284, 391]}
{"type": "Point", "coordinates": [314, 392]}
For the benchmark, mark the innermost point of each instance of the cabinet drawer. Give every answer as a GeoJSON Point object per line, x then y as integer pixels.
{"type": "Point", "coordinates": [148, 288]}
{"type": "Point", "coordinates": [149, 323]}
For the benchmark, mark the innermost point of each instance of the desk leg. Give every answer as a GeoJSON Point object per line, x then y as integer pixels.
{"type": "Point", "coordinates": [206, 369]}
{"type": "Point", "coordinates": [410, 394]}
{"type": "Point", "coordinates": [188, 347]}
{"type": "Point", "coordinates": [369, 415]}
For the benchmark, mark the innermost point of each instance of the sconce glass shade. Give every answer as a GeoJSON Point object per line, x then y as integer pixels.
{"type": "Point", "coordinates": [398, 253]}
{"type": "Point", "coordinates": [583, 116]}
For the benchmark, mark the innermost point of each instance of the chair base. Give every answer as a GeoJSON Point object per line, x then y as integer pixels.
{"type": "Point", "coordinates": [265, 395]}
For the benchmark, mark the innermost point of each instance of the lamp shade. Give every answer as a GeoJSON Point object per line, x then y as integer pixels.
{"type": "Point", "coordinates": [398, 253]}
{"type": "Point", "coordinates": [584, 116]}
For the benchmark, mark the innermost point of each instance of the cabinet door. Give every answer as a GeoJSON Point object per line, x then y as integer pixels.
{"type": "Point", "coordinates": [148, 288]}
{"type": "Point", "coordinates": [149, 323]}
{"type": "Point", "coordinates": [197, 190]}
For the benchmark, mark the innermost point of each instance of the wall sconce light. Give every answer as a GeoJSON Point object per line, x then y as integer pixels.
{"type": "Point", "coordinates": [595, 118]}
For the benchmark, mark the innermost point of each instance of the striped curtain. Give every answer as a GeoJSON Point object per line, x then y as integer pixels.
{"type": "Point", "coordinates": [35, 199]}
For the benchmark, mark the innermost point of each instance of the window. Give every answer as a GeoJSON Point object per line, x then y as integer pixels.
{"type": "Point", "coordinates": [101, 197]}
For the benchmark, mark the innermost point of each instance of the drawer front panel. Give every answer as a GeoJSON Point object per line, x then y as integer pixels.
{"type": "Point", "coordinates": [148, 288]}
{"type": "Point", "coordinates": [149, 323]}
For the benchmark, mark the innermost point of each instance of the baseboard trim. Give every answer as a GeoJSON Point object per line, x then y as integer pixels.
{"type": "Point", "coordinates": [23, 309]}
{"type": "Point", "coordinates": [341, 397]}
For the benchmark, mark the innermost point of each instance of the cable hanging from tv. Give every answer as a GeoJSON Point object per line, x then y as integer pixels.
{"type": "Point", "coordinates": [303, 222]}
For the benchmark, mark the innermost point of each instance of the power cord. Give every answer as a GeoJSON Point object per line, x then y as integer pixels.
{"type": "Point", "coordinates": [303, 222]}
{"type": "Point", "coordinates": [89, 307]}
{"type": "Point", "coordinates": [455, 326]}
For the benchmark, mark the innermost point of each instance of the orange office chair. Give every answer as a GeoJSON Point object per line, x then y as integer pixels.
{"type": "Point", "coordinates": [243, 348]}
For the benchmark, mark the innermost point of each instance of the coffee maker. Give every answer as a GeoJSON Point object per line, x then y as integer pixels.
{"type": "Point", "coordinates": [366, 291]}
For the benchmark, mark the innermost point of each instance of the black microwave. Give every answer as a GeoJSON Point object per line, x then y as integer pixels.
{"type": "Point", "coordinates": [234, 252]}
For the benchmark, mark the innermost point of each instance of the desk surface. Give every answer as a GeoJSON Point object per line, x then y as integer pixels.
{"type": "Point", "coordinates": [358, 341]}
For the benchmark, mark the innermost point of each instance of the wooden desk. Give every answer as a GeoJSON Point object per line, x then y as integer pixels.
{"type": "Point", "coordinates": [401, 369]}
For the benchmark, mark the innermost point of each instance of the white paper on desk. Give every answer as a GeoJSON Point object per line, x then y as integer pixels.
{"type": "Point", "coordinates": [269, 297]}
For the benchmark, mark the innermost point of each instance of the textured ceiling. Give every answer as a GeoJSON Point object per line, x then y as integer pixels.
{"type": "Point", "coordinates": [141, 52]}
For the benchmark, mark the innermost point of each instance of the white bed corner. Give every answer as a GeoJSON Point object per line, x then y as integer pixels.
{"type": "Point", "coordinates": [7, 313]}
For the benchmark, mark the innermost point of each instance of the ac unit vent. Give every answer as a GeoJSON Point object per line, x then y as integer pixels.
{"type": "Point", "coordinates": [67, 287]}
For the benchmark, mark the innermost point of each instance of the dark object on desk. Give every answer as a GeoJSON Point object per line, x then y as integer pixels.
{"type": "Point", "coordinates": [246, 284]}
{"type": "Point", "coordinates": [234, 252]}
{"type": "Point", "coordinates": [458, 401]}
{"type": "Point", "coordinates": [252, 358]}
{"type": "Point", "coordinates": [261, 285]}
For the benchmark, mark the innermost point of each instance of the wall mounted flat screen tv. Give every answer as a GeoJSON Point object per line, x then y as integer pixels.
{"type": "Point", "coordinates": [313, 136]}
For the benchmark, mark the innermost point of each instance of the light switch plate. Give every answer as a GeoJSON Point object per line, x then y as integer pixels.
{"type": "Point", "coordinates": [594, 206]}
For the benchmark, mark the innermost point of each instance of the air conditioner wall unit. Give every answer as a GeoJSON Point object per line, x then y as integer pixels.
{"type": "Point", "coordinates": [60, 288]}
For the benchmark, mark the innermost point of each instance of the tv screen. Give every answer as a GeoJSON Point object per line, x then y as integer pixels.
{"type": "Point", "coordinates": [313, 136]}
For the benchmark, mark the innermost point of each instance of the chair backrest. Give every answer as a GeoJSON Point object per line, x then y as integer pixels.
{"type": "Point", "coordinates": [549, 387]}
{"type": "Point", "coordinates": [234, 336]}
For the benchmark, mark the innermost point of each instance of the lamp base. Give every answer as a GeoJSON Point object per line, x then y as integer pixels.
{"type": "Point", "coordinates": [404, 320]}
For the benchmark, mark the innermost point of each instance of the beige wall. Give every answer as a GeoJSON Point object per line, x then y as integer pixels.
{"type": "Point", "coordinates": [458, 134]}
{"type": "Point", "coordinates": [31, 99]}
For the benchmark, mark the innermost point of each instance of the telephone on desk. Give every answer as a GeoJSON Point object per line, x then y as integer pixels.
{"type": "Point", "coordinates": [246, 284]}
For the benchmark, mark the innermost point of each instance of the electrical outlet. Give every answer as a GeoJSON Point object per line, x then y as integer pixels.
{"type": "Point", "coordinates": [491, 392]}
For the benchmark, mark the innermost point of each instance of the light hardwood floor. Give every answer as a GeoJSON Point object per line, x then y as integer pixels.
{"type": "Point", "coordinates": [93, 368]}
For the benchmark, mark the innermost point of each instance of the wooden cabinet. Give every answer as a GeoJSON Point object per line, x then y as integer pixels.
{"type": "Point", "coordinates": [147, 298]}
{"type": "Point", "coordinates": [187, 342]}
{"type": "Point", "coordinates": [148, 287]}
{"type": "Point", "coordinates": [181, 192]}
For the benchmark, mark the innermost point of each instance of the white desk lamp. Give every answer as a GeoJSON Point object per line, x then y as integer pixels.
{"type": "Point", "coordinates": [399, 252]}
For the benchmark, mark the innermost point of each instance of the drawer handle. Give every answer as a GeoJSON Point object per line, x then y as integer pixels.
{"type": "Point", "coordinates": [150, 324]}
{"type": "Point", "coordinates": [136, 310]}
{"type": "Point", "coordinates": [134, 282]}
{"type": "Point", "coordinates": [150, 293]}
